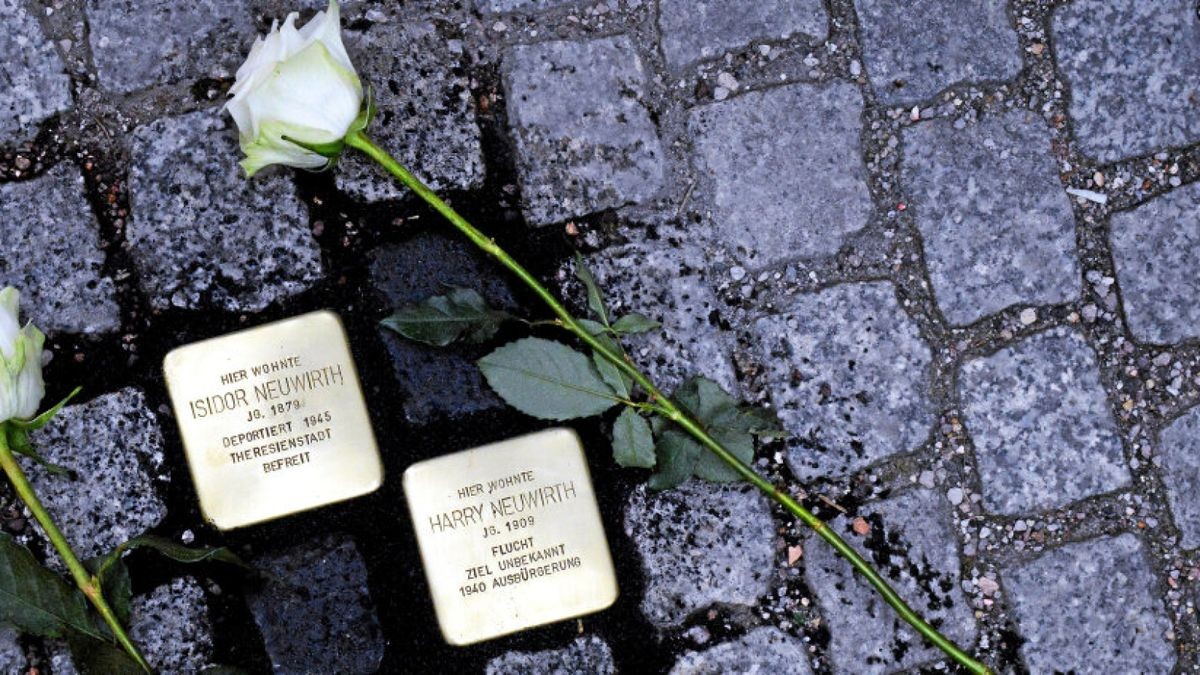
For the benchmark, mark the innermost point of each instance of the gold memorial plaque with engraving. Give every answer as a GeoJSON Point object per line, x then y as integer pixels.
{"type": "Point", "coordinates": [273, 420]}
{"type": "Point", "coordinates": [510, 536]}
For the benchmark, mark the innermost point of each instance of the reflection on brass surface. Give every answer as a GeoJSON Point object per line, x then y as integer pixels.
{"type": "Point", "coordinates": [510, 536]}
{"type": "Point", "coordinates": [273, 420]}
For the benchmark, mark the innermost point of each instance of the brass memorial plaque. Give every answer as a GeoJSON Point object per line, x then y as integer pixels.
{"type": "Point", "coordinates": [510, 536]}
{"type": "Point", "coordinates": [273, 420]}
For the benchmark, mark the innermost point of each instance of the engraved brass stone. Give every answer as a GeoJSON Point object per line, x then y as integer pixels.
{"type": "Point", "coordinates": [510, 536]}
{"type": "Point", "coordinates": [273, 420]}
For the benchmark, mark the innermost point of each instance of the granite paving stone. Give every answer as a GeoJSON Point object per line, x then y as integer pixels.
{"type": "Point", "coordinates": [140, 43]}
{"type": "Point", "coordinates": [700, 544]}
{"type": "Point", "coordinates": [497, 6]}
{"type": "Point", "coordinates": [848, 373]}
{"type": "Point", "coordinates": [170, 623]}
{"type": "Point", "coordinates": [585, 656]}
{"type": "Point", "coordinates": [584, 137]}
{"type": "Point", "coordinates": [1091, 607]}
{"type": "Point", "coordinates": [762, 650]}
{"type": "Point", "coordinates": [113, 447]}
{"type": "Point", "coordinates": [1179, 449]}
{"type": "Point", "coordinates": [1156, 250]}
{"type": "Point", "coordinates": [782, 171]}
{"type": "Point", "coordinates": [315, 613]}
{"type": "Point", "coordinates": [437, 382]}
{"type": "Point", "coordinates": [12, 656]}
{"type": "Point", "coordinates": [911, 542]}
{"type": "Point", "coordinates": [200, 233]}
{"type": "Point", "coordinates": [694, 339]}
{"type": "Point", "coordinates": [703, 29]}
{"type": "Point", "coordinates": [996, 225]}
{"type": "Point", "coordinates": [1043, 430]}
{"type": "Point", "coordinates": [1134, 73]}
{"type": "Point", "coordinates": [35, 84]}
{"type": "Point", "coordinates": [912, 50]}
{"type": "Point", "coordinates": [50, 250]}
{"type": "Point", "coordinates": [426, 114]}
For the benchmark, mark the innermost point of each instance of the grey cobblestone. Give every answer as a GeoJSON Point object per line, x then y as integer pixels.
{"type": "Point", "coordinates": [693, 339]}
{"type": "Point", "coordinates": [995, 222]}
{"type": "Point", "coordinates": [585, 141]}
{"type": "Point", "coordinates": [763, 650]}
{"type": "Point", "coordinates": [1180, 452]}
{"type": "Point", "coordinates": [700, 544]}
{"type": "Point", "coordinates": [585, 656]}
{"type": "Point", "coordinates": [316, 613]}
{"type": "Point", "coordinates": [411, 67]}
{"type": "Point", "coordinates": [200, 233]}
{"type": "Point", "coordinates": [703, 29]}
{"type": "Point", "coordinates": [109, 443]}
{"type": "Point", "coordinates": [1156, 250]}
{"type": "Point", "coordinates": [1044, 434]}
{"type": "Point", "coordinates": [915, 49]}
{"type": "Point", "coordinates": [911, 542]}
{"type": "Point", "coordinates": [170, 623]}
{"type": "Point", "coordinates": [1134, 74]}
{"type": "Point", "coordinates": [50, 249]}
{"type": "Point", "coordinates": [848, 373]}
{"type": "Point", "coordinates": [12, 656]}
{"type": "Point", "coordinates": [783, 170]}
{"type": "Point", "coordinates": [35, 84]}
{"type": "Point", "coordinates": [436, 382]}
{"type": "Point", "coordinates": [139, 43]}
{"type": "Point", "coordinates": [1114, 624]}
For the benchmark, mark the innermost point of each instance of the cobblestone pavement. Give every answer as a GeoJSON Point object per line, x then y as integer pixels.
{"type": "Point", "coordinates": [954, 242]}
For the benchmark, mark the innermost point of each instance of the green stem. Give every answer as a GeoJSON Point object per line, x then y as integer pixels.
{"type": "Point", "coordinates": [83, 579]}
{"type": "Point", "coordinates": [665, 406]}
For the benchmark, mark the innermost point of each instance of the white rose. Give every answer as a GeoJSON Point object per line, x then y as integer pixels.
{"type": "Point", "coordinates": [21, 385]}
{"type": "Point", "coordinates": [299, 85]}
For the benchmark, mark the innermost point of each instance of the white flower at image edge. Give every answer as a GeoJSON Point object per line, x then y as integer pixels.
{"type": "Point", "coordinates": [21, 385]}
{"type": "Point", "coordinates": [299, 84]}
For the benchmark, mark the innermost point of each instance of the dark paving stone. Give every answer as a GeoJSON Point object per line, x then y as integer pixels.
{"type": "Point", "coordinates": [437, 382]}
{"type": "Point", "coordinates": [315, 613]}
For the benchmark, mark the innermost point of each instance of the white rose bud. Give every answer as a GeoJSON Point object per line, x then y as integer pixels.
{"type": "Point", "coordinates": [296, 93]}
{"type": "Point", "coordinates": [21, 385]}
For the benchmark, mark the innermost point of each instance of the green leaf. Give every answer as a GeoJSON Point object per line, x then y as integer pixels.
{"type": "Point", "coordinates": [18, 441]}
{"type": "Point", "coordinates": [616, 378]}
{"type": "Point", "coordinates": [37, 601]}
{"type": "Point", "coordinates": [93, 657]}
{"type": "Point", "coordinates": [547, 380]}
{"type": "Point", "coordinates": [594, 298]}
{"type": "Point", "coordinates": [633, 444]}
{"type": "Point", "coordinates": [635, 323]}
{"type": "Point", "coordinates": [727, 421]}
{"type": "Point", "coordinates": [173, 550]}
{"type": "Point", "coordinates": [114, 584]}
{"type": "Point", "coordinates": [677, 456]}
{"type": "Point", "coordinates": [460, 314]}
{"type": "Point", "coordinates": [593, 327]}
